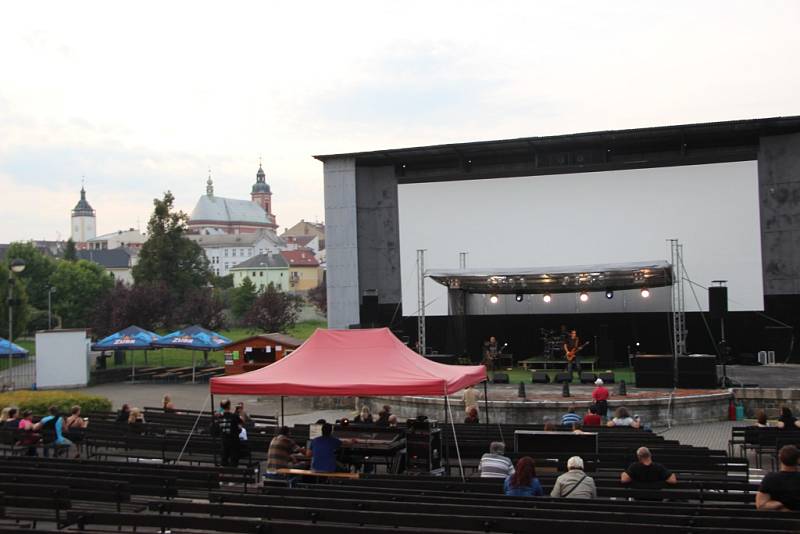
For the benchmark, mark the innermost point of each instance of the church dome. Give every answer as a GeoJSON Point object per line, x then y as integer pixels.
{"type": "Point", "coordinates": [261, 185]}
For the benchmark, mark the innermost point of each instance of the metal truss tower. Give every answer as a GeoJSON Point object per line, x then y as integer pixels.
{"type": "Point", "coordinates": [421, 301]}
{"type": "Point", "coordinates": [678, 303]}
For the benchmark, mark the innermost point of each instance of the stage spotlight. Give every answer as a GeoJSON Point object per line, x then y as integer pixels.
{"type": "Point", "coordinates": [645, 292]}
{"type": "Point", "coordinates": [609, 294]}
{"type": "Point", "coordinates": [584, 296]}
{"type": "Point", "coordinates": [494, 299]}
{"type": "Point", "coordinates": [518, 297]}
{"type": "Point", "coordinates": [547, 298]}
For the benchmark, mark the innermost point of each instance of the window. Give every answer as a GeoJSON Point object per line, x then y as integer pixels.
{"type": "Point", "coordinates": [227, 265]}
{"type": "Point", "coordinates": [226, 252]}
{"type": "Point", "coordinates": [241, 252]}
{"type": "Point", "coordinates": [233, 253]}
{"type": "Point", "coordinates": [254, 274]}
{"type": "Point", "coordinates": [261, 273]}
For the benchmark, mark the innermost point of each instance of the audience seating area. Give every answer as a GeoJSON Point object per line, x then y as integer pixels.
{"type": "Point", "coordinates": [132, 482]}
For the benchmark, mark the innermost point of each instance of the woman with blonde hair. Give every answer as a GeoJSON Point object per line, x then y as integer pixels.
{"type": "Point", "coordinates": [135, 419]}
{"type": "Point", "coordinates": [365, 417]}
{"type": "Point", "coordinates": [166, 403]}
{"type": "Point", "coordinates": [5, 415]}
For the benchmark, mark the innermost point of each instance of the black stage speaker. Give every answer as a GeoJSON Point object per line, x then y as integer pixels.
{"type": "Point", "coordinates": [607, 377]}
{"type": "Point", "coordinates": [717, 301]}
{"type": "Point", "coordinates": [588, 377]}
{"type": "Point", "coordinates": [563, 377]}
{"type": "Point", "coordinates": [369, 308]}
{"type": "Point", "coordinates": [697, 372]}
{"type": "Point", "coordinates": [653, 370]}
{"type": "Point", "coordinates": [500, 378]}
{"type": "Point", "coordinates": [540, 377]}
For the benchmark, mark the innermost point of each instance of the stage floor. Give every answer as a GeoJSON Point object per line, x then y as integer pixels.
{"type": "Point", "coordinates": [765, 376]}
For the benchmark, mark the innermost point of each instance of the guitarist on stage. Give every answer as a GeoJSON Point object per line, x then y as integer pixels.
{"type": "Point", "coordinates": [572, 347]}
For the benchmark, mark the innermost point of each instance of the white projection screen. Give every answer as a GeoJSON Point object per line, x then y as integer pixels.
{"type": "Point", "coordinates": [589, 218]}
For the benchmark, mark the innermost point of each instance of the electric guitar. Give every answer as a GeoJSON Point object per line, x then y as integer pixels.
{"type": "Point", "coordinates": [570, 354]}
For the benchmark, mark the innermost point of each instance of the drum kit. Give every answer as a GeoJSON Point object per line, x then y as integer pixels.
{"type": "Point", "coordinates": [552, 343]}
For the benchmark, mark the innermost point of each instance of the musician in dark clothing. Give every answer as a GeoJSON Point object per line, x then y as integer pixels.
{"type": "Point", "coordinates": [490, 353]}
{"type": "Point", "coordinates": [230, 426]}
{"type": "Point", "coordinates": [571, 347]}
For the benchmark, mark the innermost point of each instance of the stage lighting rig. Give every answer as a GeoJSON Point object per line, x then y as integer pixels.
{"type": "Point", "coordinates": [584, 296]}
{"type": "Point", "coordinates": [518, 297]}
{"type": "Point", "coordinates": [547, 298]}
{"type": "Point", "coordinates": [609, 294]}
{"type": "Point", "coordinates": [645, 292]}
{"type": "Point", "coordinates": [494, 299]}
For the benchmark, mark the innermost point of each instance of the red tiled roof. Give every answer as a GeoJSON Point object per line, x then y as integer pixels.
{"type": "Point", "coordinates": [302, 257]}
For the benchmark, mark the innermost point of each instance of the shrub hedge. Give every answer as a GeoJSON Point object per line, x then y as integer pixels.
{"type": "Point", "coordinates": [39, 401]}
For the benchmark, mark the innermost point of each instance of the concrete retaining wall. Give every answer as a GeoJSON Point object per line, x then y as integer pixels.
{"type": "Point", "coordinates": [769, 399]}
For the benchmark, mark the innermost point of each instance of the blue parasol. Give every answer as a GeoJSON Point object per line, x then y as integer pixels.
{"type": "Point", "coordinates": [131, 338]}
{"type": "Point", "coordinates": [11, 349]}
{"type": "Point", "coordinates": [193, 338]}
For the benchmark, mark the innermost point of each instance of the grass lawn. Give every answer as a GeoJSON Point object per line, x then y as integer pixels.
{"type": "Point", "coordinates": [517, 375]}
{"type": "Point", "coordinates": [183, 358]}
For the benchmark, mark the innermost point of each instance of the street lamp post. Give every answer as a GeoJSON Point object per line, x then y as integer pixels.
{"type": "Point", "coordinates": [15, 266]}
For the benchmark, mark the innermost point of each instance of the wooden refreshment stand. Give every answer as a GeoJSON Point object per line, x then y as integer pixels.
{"type": "Point", "coordinates": [258, 351]}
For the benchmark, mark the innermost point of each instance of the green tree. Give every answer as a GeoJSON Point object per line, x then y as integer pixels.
{"type": "Point", "coordinates": [168, 256]}
{"type": "Point", "coordinates": [20, 309]}
{"type": "Point", "coordinates": [242, 298]}
{"type": "Point", "coordinates": [274, 310]}
{"type": "Point", "coordinates": [70, 254]}
{"type": "Point", "coordinates": [80, 285]}
{"type": "Point", "coordinates": [36, 276]}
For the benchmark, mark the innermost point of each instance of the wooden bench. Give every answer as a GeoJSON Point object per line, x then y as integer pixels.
{"type": "Point", "coordinates": [317, 474]}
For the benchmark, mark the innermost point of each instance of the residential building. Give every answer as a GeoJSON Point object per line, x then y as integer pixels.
{"type": "Point", "coordinates": [304, 270]}
{"type": "Point", "coordinates": [262, 270]}
{"type": "Point", "coordinates": [118, 261]}
{"type": "Point", "coordinates": [225, 251]}
{"type": "Point", "coordinates": [305, 228]}
{"type": "Point", "coordinates": [294, 242]}
{"type": "Point", "coordinates": [219, 215]}
{"type": "Point", "coordinates": [121, 238]}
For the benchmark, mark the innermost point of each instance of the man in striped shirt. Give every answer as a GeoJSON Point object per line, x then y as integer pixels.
{"type": "Point", "coordinates": [570, 418]}
{"type": "Point", "coordinates": [494, 464]}
{"type": "Point", "coordinates": [283, 452]}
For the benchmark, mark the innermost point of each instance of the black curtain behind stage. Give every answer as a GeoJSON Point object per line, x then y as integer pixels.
{"type": "Point", "coordinates": [612, 334]}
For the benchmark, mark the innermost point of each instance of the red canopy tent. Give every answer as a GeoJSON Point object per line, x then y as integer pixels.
{"type": "Point", "coordinates": [352, 362]}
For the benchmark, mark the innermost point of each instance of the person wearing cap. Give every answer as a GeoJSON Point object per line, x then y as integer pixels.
{"type": "Point", "coordinates": [600, 397]}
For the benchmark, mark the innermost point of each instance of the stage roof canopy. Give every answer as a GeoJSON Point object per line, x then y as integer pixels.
{"type": "Point", "coordinates": [567, 279]}
{"type": "Point", "coordinates": [351, 362]}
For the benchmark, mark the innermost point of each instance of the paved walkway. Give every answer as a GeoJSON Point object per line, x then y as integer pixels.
{"type": "Point", "coordinates": [712, 435]}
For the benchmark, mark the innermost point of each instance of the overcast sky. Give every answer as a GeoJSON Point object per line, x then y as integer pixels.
{"type": "Point", "coordinates": [142, 97]}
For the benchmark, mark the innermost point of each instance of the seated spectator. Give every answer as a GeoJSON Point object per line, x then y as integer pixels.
{"type": "Point", "coordinates": [166, 403]}
{"type": "Point", "coordinates": [11, 422]}
{"type": "Point", "coordinates": [623, 418]}
{"type": "Point", "coordinates": [570, 418]}
{"type": "Point", "coordinates": [577, 428]}
{"type": "Point", "coordinates": [364, 417]}
{"type": "Point", "coordinates": [523, 483]}
{"type": "Point", "coordinates": [574, 484]}
{"type": "Point", "coordinates": [4, 415]}
{"type": "Point", "coordinates": [383, 415]}
{"type": "Point", "coordinates": [284, 453]}
{"type": "Point", "coordinates": [392, 421]}
{"type": "Point", "coordinates": [781, 490]}
{"type": "Point", "coordinates": [73, 427]}
{"type": "Point", "coordinates": [787, 421]}
{"type": "Point", "coordinates": [52, 429]}
{"type": "Point", "coordinates": [136, 420]}
{"type": "Point", "coordinates": [592, 418]}
{"type": "Point", "coordinates": [123, 413]}
{"type": "Point", "coordinates": [470, 398]}
{"type": "Point", "coordinates": [646, 470]}
{"type": "Point", "coordinates": [29, 438]}
{"type": "Point", "coordinates": [600, 397]}
{"type": "Point", "coordinates": [549, 426]}
{"type": "Point", "coordinates": [761, 419]}
{"type": "Point", "coordinates": [494, 464]}
{"type": "Point", "coordinates": [472, 417]}
{"type": "Point", "coordinates": [324, 449]}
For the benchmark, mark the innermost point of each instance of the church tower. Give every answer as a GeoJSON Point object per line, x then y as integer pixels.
{"type": "Point", "coordinates": [261, 193]}
{"type": "Point", "coordinates": [83, 227]}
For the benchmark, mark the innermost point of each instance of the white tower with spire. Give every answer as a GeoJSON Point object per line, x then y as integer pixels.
{"type": "Point", "coordinates": [84, 223]}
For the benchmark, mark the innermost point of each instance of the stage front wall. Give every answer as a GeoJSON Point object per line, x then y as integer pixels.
{"type": "Point", "coordinates": [588, 218]}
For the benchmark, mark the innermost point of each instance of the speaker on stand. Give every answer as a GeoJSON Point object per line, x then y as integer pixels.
{"type": "Point", "coordinates": [718, 309]}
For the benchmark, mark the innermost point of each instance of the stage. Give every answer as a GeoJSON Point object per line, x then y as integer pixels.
{"type": "Point", "coordinates": [657, 407]}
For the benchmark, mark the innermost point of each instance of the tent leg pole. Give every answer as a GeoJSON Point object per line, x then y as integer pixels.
{"type": "Point", "coordinates": [192, 367]}
{"type": "Point", "coordinates": [133, 367]}
{"type": "Point", "coordinates": [486, 400]}
{"type": "Point", "coordinates": [283, 422]}
{"type": "Point", "coordinates": [445, 443]}
{"type": "Point", "coordinates": [212, 405]}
